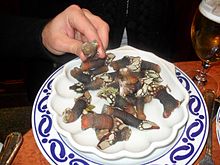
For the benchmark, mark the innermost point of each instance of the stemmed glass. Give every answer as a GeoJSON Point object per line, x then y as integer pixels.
{"type": "Point", "coordinates": [205, 36]}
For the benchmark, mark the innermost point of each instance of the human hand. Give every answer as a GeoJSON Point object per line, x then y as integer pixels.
{"type": "Point", "coordinates": [68, 30]}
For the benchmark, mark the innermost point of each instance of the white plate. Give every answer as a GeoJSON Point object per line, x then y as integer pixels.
{"type": "Point", "coordinates": [185, 148]}
{"type": "Point", "coordinates": [145, 141]}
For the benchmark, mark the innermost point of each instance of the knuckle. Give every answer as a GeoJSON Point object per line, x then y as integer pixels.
{"type": "Point", "coordinates": [106, 26]}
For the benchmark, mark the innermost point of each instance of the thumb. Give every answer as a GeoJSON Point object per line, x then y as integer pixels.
{"type": "Point", "coordinates": [69, 45]}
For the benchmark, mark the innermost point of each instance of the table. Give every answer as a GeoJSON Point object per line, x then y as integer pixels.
{"type": "Point", "coordinates": [214, 71]}
{"type": "Point", "coordinates": [30, 154]}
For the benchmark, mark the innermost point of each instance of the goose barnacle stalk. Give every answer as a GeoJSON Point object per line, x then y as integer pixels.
{"type": "Point", "coordinates": [72, 114]}
{"type": "Point", "coordinates": [167, 100]}
{"type": "Point", "coordinates": [79, 75]}
{"type": "Point", "coordinates": [129, 119]}
{"type": "Point", "coordinates": [115, 99]}
{"type": "Point", "coordinates": [82, 87]}
{"type": "Point", "coordinates": [120, 132]}
{"type": "Point", "coordinates": [98, 121]}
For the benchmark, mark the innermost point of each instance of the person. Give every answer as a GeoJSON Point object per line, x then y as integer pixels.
{"type": "Point", "coordinates": [147, 24]}
{"type": "Point", "coordinates": [43, 43]}
{"type": "Point", "coordinates": [155, 26]}
{"type": "Point", "coordinates": [58, 39]}
{"type": "Point", "coordinates": [162, 26]}
{"type": "Point", "coordinates": [64, 34]}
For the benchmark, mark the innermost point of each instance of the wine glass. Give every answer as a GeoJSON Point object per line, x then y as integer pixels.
{"type": "Point", "coordinates": [205, 36]}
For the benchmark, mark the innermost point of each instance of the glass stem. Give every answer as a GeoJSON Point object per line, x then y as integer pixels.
{"type": "Point", "coordinates": [201, 76]}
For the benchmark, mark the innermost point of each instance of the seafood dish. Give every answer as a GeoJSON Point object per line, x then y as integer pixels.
{"type": "Point", "coordinates": [106, 106]}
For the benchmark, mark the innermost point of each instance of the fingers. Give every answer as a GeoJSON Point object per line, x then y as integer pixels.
{"type": "Point", "coordinates": [58, 43]}
{"type": "Point", "coordinates": [69, 29]}
{"type": "Point", "coordinates": [70, 45]}
{"type": "Point", "coordinates": [91, 26]}
{"type": "Point", "coordinates": [79, 36]}
{"type": "Point", "coordinates": [101, 27]}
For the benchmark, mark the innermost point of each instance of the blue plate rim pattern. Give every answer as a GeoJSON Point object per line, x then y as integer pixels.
{"type": "Point", "coordinates": [56, 149]}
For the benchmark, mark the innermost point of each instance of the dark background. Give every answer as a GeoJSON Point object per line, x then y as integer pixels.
{"type": "Point", "coordinates": [17, 79]}
{"type": "Point", "coordinates": [18, 88]}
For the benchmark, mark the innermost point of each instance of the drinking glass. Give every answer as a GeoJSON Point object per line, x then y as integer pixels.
{"type": "Point", "coordinates": [205, 36]}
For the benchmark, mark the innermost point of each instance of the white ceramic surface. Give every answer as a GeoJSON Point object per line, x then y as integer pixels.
{"type": "Point", "coordinates": [141, 143]}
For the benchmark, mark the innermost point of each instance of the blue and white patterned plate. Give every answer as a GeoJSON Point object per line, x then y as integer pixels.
{"type": "Point", "coordinates": [185, 149]}
{"type": "Point", "coordinates": [146, 141]}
